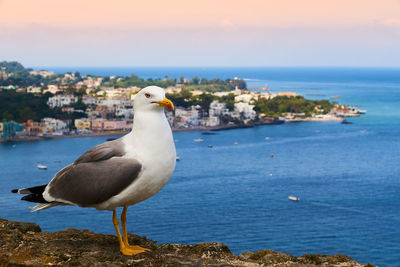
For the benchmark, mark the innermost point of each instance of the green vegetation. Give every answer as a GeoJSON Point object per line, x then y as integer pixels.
{"type": "Point", "coordinates": [19, 76]}
{"type": "Point", "coordinates": [229, 100]}
{"type": "Point", "coordinates": [212, 85]}
{"type": "Point", "coordinates": [12, 66]}
{"type": "Point", "coordinates": [21, 107]}
{"type": "Point", "coordinates": [185, 99]}
{"type": "Point", "coordinates": [282, 104]}
{"type": "Point", "coordinates": [133, 80]}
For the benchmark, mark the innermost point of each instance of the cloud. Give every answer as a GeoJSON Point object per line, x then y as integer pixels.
{"type": "Point", "coordinates": [392, 22]}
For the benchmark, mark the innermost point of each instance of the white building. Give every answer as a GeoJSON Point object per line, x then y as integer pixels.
{"type": "Point", "coordinates": [43, 73]}
{"type": "Point", "coordinates": [88, 100]}
{"type": "Point", "coordinates": [52, 88]}
{"type": "Point", "coordinates": [267, 95]}
{"type": "Point", "coordinates": [61, 100]}
{"type": "Point", "coordinates": [124, 111]}
{"type": "Point", "coordinates": [218, 109]}
{"type": "Point", "coordinates": [212, 121]}
{"type": "Point", "coordinates": [53, 125]}
{"type": "Point", "coordinates": [245, 110]}
{"type": "Point", "coordinates": [186, 117]}
{"type": "Point", "coordinates": [173, 90]}
{"type": "Point", "coordinates": [244, 98]}
{"type": "Point", "coordinates": [34, 90]}
{"type": "Point", "coordinates": [91, 82]}
{"type": "Point", "coordinates": [219, 94]}
{"type": "Point", "coordinates": [111, 102]}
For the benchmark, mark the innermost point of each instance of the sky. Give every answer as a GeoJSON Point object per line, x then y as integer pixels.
{"type": "Point", "coordinates": [235, 33]}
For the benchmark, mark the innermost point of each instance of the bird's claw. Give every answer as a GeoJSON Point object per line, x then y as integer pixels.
{"type": "Point", "coordinates": [133, 250]}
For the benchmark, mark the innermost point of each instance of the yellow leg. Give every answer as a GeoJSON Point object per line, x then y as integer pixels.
{"type": "Point", "coordinates": [124, 250]}
{"type": "Point", "coordinates": [116, 222]}
{"type": "Point", "coordinates": [136, 249]}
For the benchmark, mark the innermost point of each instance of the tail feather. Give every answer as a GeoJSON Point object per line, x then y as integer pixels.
{"type": "Point", "coordinates": [43, 206]}
{"type": "Point", "coordinates": [30, 190]}
{"type": "Point", "coordinates": [33, 194]}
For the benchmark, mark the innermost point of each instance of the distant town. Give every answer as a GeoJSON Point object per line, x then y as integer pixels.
{"type": "Point", "coordinates": [42, 104]}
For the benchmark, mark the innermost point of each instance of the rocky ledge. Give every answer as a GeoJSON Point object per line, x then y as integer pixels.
{"type": "Point", "coordinates": [24, 244]}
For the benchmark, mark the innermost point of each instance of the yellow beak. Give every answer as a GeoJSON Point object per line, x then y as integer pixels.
{"type": "Point", "coordinates": [166, 103]}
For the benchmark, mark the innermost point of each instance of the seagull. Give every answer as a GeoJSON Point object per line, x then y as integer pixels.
{"type": "Point", "coordinates": [117, 173]}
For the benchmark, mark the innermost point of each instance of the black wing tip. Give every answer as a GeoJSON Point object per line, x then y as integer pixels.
{"type": "Point", "coordinates": [38, 198]}
{"type": "Point", "coordinates": [14, 191]}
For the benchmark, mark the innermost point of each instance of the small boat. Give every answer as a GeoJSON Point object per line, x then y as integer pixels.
{"type": "Point", "coordinates": [236, 143]}
{"type": "Point", "coordinates": [209, 133]}
{"type": "Point", "coordinates": [267, 138]}
{"type": "Point", "coordinates": [335, 96]}
{"type": "Point", "coordinates": [292, 198]}
{"type": "Point", "coordinates": [210, 146]}
{"type": "Point", "coordinates": [42, 167]}
{"type": "Point", "coordinates": [198, 140]}
{"type": "Point", "coordinates": [346, 122]}
{"type": "Point", "coordinates": [178, 158]}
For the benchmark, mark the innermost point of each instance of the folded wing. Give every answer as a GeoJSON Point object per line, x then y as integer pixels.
{"type": "Point", "coordinates": [96, 176]}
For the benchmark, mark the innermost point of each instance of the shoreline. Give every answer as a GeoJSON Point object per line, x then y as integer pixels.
{"type": "Point", "coordinates": [116, 133]}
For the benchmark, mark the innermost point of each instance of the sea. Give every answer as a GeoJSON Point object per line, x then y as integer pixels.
{"type": "Point", "coordinates": [347, 176]}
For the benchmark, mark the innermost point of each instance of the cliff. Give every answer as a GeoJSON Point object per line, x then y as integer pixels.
{"type": "Point", "coordinates": [24, 244]}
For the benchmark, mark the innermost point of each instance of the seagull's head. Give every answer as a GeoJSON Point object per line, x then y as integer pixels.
{"type": "Point", "coordinates": [152, 98]}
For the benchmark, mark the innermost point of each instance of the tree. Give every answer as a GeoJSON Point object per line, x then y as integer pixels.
{"type": "Point", "coordinates": [27, 114]}
{"type": "Point", "coordinates": [182, 99]}
{"type": "Point", "coordinates": [205, 101]}
{"type": "Point", "coordinates": [195, 80]}
{"type": "Point", "coordinates": [204, 81]}
{"type": "Point", "coordinates": [229, 100]}
{"type": "Point", "coordinates": [71, 88]}
{"type": "Point", "coordinates": [239, 83]}
{"type": "Point", "coordinates": [6, 116]}
{"type": "Point", "coordinates": [282, 104]}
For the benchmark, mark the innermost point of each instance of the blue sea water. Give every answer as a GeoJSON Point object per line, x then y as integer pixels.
{"type": "Point", "coordinates": [347, 176]}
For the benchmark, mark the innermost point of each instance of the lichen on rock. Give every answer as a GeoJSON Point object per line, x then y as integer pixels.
{"type": "Point", "coordinates": [24, 244]}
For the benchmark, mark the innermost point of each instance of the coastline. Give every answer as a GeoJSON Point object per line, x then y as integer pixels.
{"type": "Point", "coordinates": [117, 133]}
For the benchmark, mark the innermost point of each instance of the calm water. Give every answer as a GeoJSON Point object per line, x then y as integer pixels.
{"type": "Point", "coordinates": [347, 176]}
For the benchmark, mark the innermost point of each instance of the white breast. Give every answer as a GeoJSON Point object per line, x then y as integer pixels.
{"type": "Point", "coordinates": [155, 150]}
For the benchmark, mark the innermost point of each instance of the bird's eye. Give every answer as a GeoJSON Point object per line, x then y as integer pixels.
{"type": "Point", "coordinates": [147, 95]}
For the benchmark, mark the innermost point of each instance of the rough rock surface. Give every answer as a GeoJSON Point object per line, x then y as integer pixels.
{"type": "Point", "coordinates": [24, 244]}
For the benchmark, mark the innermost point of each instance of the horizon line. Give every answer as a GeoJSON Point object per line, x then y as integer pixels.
{"type": "Point", "coordinates": [221, 66]}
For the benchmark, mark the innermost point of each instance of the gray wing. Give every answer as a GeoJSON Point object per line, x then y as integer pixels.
{"type": "Point", "coordinates": [103, 151]}
{"type": "Point", "coordinates": [96, 176]}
